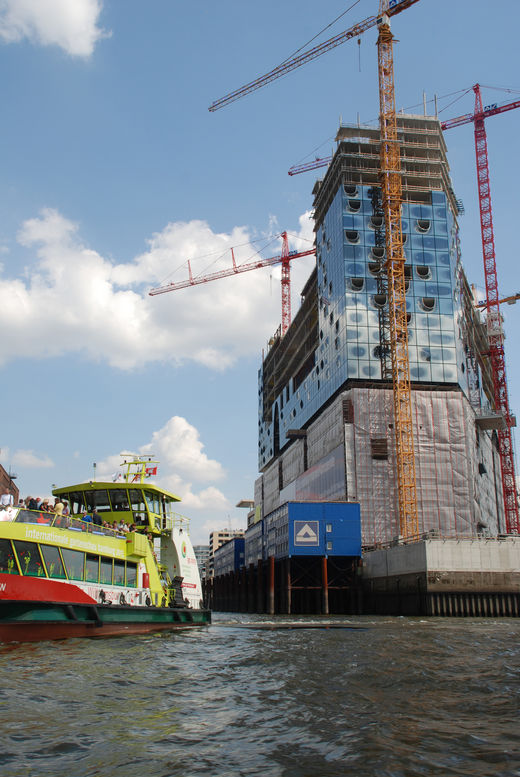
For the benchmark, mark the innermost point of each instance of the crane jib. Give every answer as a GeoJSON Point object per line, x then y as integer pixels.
{"type": "Point", "coordinates": [394, 7]}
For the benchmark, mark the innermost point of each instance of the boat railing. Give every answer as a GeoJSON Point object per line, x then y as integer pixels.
{"type": "Point", "coordinates": [175, 521]}
{"type": "Point", "coordinates": [42, 518]}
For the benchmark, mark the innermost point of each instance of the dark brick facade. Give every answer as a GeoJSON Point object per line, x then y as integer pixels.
{"type": "Point", "coordinates": [6, 484]}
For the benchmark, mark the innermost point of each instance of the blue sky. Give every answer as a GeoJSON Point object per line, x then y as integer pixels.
{"type": "Point", "coordinates": [114, 173]}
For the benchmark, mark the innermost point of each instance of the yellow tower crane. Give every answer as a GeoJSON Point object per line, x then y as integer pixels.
{"type": "Point", "coordinates": [391, 190]}
{"type": "Point", "coordinates": [390, 179]}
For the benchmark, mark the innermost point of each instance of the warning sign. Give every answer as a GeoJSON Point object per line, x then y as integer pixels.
{"type": "Point", "coordinates": [306, 533]}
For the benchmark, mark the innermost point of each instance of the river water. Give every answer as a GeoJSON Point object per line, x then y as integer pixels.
{"type": "Point", "coordinates": [371, 697]}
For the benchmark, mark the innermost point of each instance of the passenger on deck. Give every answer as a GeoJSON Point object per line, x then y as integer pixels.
{"type": "Point", "coordinates": [86, 517]}
{"type": "Point", "coordinates": [33, 503]}
{"type": "Point", "coordinates": [96, 518]}
{"type": "Point", "coordinates": [66, 510]}
{"type": "Point", "coordinates": [45, 506]}
{"type": "Point", "coordinates": [58, 507]}
{"type": "Point", "coordinates": [6, 500]}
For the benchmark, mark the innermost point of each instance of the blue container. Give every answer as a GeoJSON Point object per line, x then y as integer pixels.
{"type": "Point", "coordinates": [313, 529]}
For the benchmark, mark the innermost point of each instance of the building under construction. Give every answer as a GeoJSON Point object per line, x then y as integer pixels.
{"type": "Point", "coordinates": [326, 410]}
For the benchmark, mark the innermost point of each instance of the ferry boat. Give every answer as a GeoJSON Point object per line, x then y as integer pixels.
{"type": "Point", "coordinates": [85, 575]}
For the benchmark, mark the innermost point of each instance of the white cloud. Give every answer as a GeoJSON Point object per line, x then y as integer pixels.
{"type": "Point", "coordinates": [71, 299]}
{"type": "Point", "coordinates": [70, 24]}
{"type": "Point", "coordinates": [178, 448]}
{"type": "Point", "coordinates": [30, 460]}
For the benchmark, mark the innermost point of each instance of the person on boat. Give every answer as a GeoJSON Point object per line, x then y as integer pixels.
{"type": "Point", "coordinates": [33, 503]}
{"type": "Point", "coordinates": [6, 500]}
{"type": "Point", "coordinates": [66, 510]}
{"type": "Point", "coordinates": [96, 518]}
{"type": "Point", "coordinates": [45, 506]}
{"type": "Point", "coordinates": [58, 507]}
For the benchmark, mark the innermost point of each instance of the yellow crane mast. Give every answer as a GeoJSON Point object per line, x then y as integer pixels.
{"type": "Point", "coordinates": [391, 190]}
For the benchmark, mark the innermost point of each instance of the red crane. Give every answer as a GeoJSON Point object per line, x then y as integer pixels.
{"type": "Point", "coordinates": [284, 259]}
{"type": "Point", "coordinates": [494, 319]}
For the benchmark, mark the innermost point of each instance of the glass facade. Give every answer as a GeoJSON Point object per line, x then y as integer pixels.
{"type": "Point", "coordinates": [349, 258]}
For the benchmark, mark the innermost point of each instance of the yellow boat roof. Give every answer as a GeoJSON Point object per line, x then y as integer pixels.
{"type": "Point", "coordinates": [92, 485]}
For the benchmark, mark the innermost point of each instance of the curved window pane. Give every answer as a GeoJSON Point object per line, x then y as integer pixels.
{"type": "Point", "coordinates": [29, 558]}
{"type": "Point", "coordinates": [7, 560]}
{"type": "Point", "coordinates": [52, 558]}
{"type": "Point", "coordinates": [92, 568]}
{"type": "Point", "coordinates": [74, 562]}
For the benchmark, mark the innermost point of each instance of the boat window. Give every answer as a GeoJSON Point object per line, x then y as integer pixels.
{"type": "Point", "coordinates": [28, 516]}
{"type": "Point", "coordinates": [29, 558]}
{"type": "Point", "coordinates": [92, 568]}
{"type": "Point", "coordinates": [131, 574]}
{"type": "Point", "coordinates": [169, 505]}
{"type": "Point", "coordinates": [119, 499]}
{"type": "Point", "coordinates": [74, 562]}
{"type": "Point", "coordinates": [137, 500]}
{"type": "Point", "coordinates": [76, 502]}
{"type": "Point", "coordinates": [106, 571]}
{"type": "Point", "coordinates": [7, 559]}
{"type": "Point", "coordinates": [153, 501]}
{"type": "Point", "coordinates": [119, 572]}
{"type": "Point", "coordinates": [52, 558]}
{"type": "Point", "coordinates": [98, 499]}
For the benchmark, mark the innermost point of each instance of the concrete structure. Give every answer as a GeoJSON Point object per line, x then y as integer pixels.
{"type": "Point", "coordinates": [468, 577]}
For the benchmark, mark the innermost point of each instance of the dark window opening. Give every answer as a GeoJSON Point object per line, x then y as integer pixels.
{"type": "Point", "coordinates": [423, 272]}
{"type": "Point", "coordinates": [376, 222]}
{"type": "Point", "coordinates": [379, 448]}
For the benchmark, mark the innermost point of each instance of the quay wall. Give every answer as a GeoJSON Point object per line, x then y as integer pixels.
{"type": "Point", "coordinates": [432, 577]}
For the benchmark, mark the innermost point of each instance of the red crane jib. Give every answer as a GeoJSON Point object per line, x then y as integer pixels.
{"type": "Point", "coordinates": [235, 270]}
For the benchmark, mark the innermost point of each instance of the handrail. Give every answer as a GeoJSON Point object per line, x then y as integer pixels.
{"type": "Point", "coordinates": [43, 518]}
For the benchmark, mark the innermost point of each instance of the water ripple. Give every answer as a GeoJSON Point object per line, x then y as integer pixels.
{"type": "Point", "coordinates": [378, 697]}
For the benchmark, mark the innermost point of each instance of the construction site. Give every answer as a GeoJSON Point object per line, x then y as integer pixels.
{"type": "Point", "coordinates": [385, 450]}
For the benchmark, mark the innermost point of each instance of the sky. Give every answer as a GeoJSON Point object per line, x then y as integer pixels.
{"type": "Point", "coordinates": [114, 174]}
